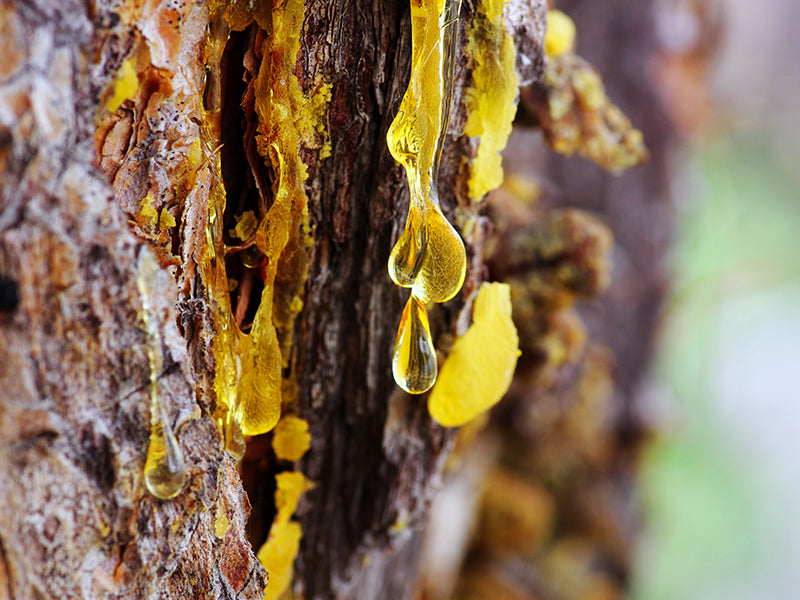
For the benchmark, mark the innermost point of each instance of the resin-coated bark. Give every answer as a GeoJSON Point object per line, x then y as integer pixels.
{"type": "Point", "coordinates": [122, 127]}
{"type": "Point", "coordinates": [75, 518]}
{"type": "Point", "coordinates": [133, 127]}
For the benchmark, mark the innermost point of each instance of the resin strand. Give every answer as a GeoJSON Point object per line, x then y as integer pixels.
{"type": "Point", "coordinates": [164, 468]}
{"type": "Point", "coordinates": [429, 257]}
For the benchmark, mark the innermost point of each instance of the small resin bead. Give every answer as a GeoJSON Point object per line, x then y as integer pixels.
{"type": "Point", "coordinates": [164, 470]}
{"type": "Point", "coordinates": [414, 363]}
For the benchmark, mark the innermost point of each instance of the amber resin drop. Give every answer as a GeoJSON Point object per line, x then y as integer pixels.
{"type": "Point", "coordinates": [409, 251]}
{"type": "Point", "coordinates": [444, 267]}
{"type": "Point", "coordinates": [429, 257]}
{"type": "Point", "coordinates": [164, 470]}
{"type": "Point", "coordinates": [414, 363]}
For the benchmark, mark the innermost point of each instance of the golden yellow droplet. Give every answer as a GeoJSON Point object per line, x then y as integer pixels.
{"type": "Point", "coordinates": [414, 363]}
{"type": "Point", "coordinates": [164, 469]}
{"type": "Point", "coordinates": [406, 258]}
{"type": "Point", "coordinates": [259, 405]}
{"type": "Point", "coordinates": [444, 267]}
{"type": "Point", "coordinates": [429, 257]}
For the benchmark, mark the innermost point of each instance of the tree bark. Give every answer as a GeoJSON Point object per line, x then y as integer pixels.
{"type": "Point", "coordinates": [75, 520]}
{"type": "Point", "coordinates": [122, 126]}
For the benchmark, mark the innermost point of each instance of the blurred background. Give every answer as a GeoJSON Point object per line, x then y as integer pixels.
{"type": "Point", "coordinates": [721, 483]}
{"type": "Point", "coordinates": [647, 447]}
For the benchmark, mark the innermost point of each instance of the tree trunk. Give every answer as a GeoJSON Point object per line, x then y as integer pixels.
{"type": "Point", "coordinates": [139, 129]}
{"type": "Point", "coordinates": [75, 519]}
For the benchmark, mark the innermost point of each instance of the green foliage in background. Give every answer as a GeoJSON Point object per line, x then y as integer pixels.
{"type": "Point", "coordinates": [710, 534]}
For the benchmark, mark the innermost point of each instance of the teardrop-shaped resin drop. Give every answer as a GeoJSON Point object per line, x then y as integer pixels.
{"type": "Point", "coordinates": [414, 363]}
{"type": "Point", "coordinates": [164, 470]}
{"type": "Point", "coordinates": [259, 405]}
{"type": "Point", "coordinates": [409, 251]}
{"type": "Point", "coordinates": [442, 272]}
{"type": "Point", "coordinates": [234, 439]}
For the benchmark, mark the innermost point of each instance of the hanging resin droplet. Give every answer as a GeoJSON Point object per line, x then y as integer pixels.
{"type": "Point", "coordinates": [259, 406]}
{"type": "Point", "coordinates": [444, 267]}
{"type": "Point", "coordinates": [414, 363]}
{"type": "Point", "coordinates": [164, 470]}
{"type": "Point", "coordinates": [409, 252]}
{"type": "Point", "coordinates": [429, 257]}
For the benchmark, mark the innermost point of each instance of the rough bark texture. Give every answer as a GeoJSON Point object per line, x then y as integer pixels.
{"type": "Point", "coordinates": [76, 167]}
{"type": "Point", "coordinates": [376, 454]}
{"type": "Point", "coordinates": [75, 519]}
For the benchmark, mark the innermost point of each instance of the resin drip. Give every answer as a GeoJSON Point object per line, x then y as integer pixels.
{"type": "Point", "coordinates": [429, 256]}
{"type": "Point", "coordinates": [164, 469]}
{"type": "Point", "coordinates": [414, 364]}
{"type": "Point", "coordinates": [250, 367]}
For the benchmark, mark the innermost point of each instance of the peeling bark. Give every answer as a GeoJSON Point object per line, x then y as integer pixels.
{"type": "Point", "coordinates": [75, 519]}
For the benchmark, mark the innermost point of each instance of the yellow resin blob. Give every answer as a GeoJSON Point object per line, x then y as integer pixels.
{"type": "Point", "coordinates": [414, 365]}
{"type": "Point", "coordinates": [429, 257]}
{"type": "Point", "coordinates": [164, 469]}
{"type": "Point", "coordinates": [491, 100]}
{"type": "Point", "coordinates": [280, 550]}
{"type": "Point", "coordinates": [291, 439]}
{"type": "Point", "coordinates": [481, 364]}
